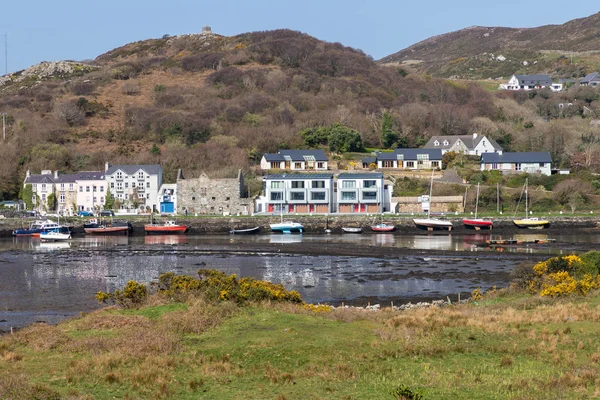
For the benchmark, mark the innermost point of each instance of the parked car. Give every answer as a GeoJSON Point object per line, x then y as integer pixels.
{"type": "Point", "coordinates": [107, 213]}
{"type": "Point", "coordinates": [83, 213]}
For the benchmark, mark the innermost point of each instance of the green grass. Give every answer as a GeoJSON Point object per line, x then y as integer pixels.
{"type": "Point", "coordinates": [507, 346]}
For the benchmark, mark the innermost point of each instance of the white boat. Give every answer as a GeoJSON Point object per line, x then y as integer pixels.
{"type": "Point", "coordinates": [530, 222]}
{"type": "Point", "coordinates": [429, 223]}
{"type": "Point", "coordinates": [55, 236]}
{"type": "Point", "coordinates": [348, 229]}
{"type": "Point", "coordinates": [287, 227]}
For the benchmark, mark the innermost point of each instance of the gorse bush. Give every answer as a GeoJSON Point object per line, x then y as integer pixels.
{"type": "Point", "coordinates": [212, 285]}
{"type": "Point", "coordinates": [562, 276]}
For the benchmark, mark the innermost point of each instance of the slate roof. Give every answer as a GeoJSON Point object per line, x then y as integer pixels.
{"type": "Point", "coordinates": [130, 169]}
{"type": "Point", "coordinates": [46, 178]}
{"type": "Point", "coordinates": [535, 79]}
{"type": "Point", "coordinates": [296, 155]}
{"type": "Point", "coordinates": [358, 175]}
{"type": "Point", "coordinates": [594, 76]}
{"type": "Point", "coordinates": [526, 157]}
{"type": "Point", "coordinates": [297, 176]}
{"type": "Point", "coordinates": [369, 160]}
{"type": "Point", "coordinates": [411, 154]}
{"type": "Point", "coordinates": [466, 139]}
{"type": "Point", "coordinates": [66, 178]}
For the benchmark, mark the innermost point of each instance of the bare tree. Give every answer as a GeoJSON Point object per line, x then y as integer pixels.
{"type": "Point", "coordinates": [68, 110]}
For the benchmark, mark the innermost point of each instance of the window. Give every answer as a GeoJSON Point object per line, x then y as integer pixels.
{"type": "Point", "coordinates": [276, 196]}
{"type": "Point", "coordinates": [436, 143]}
{"type": "Point", "coordinates": [446, 143]}
{"type": "Point", "coordinates": [388, 164]}
{"type": "Point", "coordinates": [317, 196]}
{"type": "Point", "coordinates": [494, 165]}
{"type": "Point", "coordinates": [81, 188]}
{"type": "Point", "coordinates": [275, 165]}
{"type": "Point", "coordinates": [61, 199]}
{"type": "Point", "coordinates": [62, 186]}
{"type": "Point", "coordinates": [95, 199]}
{"type": "Point", "coordinates": [203, 192]}
{"type": "Point", "coordinates": [348, 195]}
{"type": "Point", "coordinates": [517, 166]}
{"type": "Point", "coordinates": [297, 196]}
{"type": "Point", "coordinates": [422, 157]}
{"type": "Point", "coordinates": [348, 184]}
{"type": "Point", "coordinates": [95, 188]}
{"type": "Point", "coordinates": [102, 189]}
{"type": "Point", "coordinates": [43, 187]}
{"type": "Point", "coordinates": [101, 199]}
{"type": "Point", "coordinates": [43, 197]}
{"type": "Point", "coordinates": [542, 165]}
{"type": "Point", "coordinates": [119, 186]}
{"type": "Point", "coordinates": [34, 187]}
{"type": "Point", "coordinates": [410, 164]}
{"type": "Point", "coordinates": [112, 185]}
{"type": "Point", "coordinates": [297, 184]}
{"type": "Point", "coordinates": [321, 165]}
{"type": "Point", "coordinates": [148, 196]}
{"type": "Point", "coordinates": [71, 187]}
{"type": "Point", "coordinates": [126, 196]}
{"type": "Point", "coordinates": [298, 165]}
{"type": "Point", "coordinates": [141, 175]}
{"type": "Point", "coordinates": [435, 164]}
{"type": "Point", "coordinates": [193, 197]}
{"type": "Point", "coordinates": [133, 184]}
{"type": "Point", "coordinates": [276, 185]}
{"type": "Point", "coordinates": [226, 198]}
{"type": "Point", "coordinates": [318, 184]}
{"type": "Point", "coordinates": [369, 195]}
{"type": "Point", "coordinates": [148, 185]}
{"type": "Point", "coordinates": [369, 184]}
{"type": "Point", "coordinates": [87, 188]}
{"type": "Point", "coordinates": [119, 175]}
{"type": "Point", "coordinates": [126, 185]}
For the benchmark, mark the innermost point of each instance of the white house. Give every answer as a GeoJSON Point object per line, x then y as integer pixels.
{"type": "Point", "coordinates": [407, 159]}
{"type": "Point", "coordinates": [531, 82]}
{"type": "Point", "coordinates": [135, 186]}
{"type": "Point", "coordinates": [91, 190]}
{"type": "Point", "coordinates": [361, 193]}
{"type": "Point", "coordinates": [168, 198]}
{"type": "Point", "coordinates": [532, 162]}
{"type": "Point", "coordinates": [474, 144]}
{"type": "Point", "coordinates": [42, 186]}
{"type": "Point", "coordinates": [297, 193]}
{"type": "Point", "coordinates": [295, 160]}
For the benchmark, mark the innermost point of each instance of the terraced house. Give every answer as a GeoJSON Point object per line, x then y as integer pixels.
{"type": "Point", "coordinates": [135, 186]}
{"type": "Point", "coordinates": [297, 193]}
{"type": "Point", "coordinates": [411, 159]}
{"type": "Point", "coordinates": [295, 160]}
{"type": "Point", "coordinates": [360, 193]}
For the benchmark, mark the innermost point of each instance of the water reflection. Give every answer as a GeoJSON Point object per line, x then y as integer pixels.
{"type": "Point", "coordinates": [285, 238]}
{"type": "Point", "coordinates": [165, 239]}
{"type": "Point", "coordinates": [50, 246]}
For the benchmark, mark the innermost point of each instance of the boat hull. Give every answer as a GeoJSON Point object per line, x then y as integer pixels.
{"type": "Point", "coordinates": [108, 230]}
{"type": "Point", "coordinates": [531, 223]}
{"type": "Point", "coordinates": [433, 224]}
{"type": "Point", "coordinates": [165, 230]}
{"type": "Point", "coordinates": [352, 230]}
{"type": "Point", "coordinates": [478, 224]}
{"type": "Point", "coordinates": [287, 228]}
{"type": "Point", "coordinates": [250, 231]}
{"type": "Point", "coordinates": [54, 236]}
{"type": "Point", "coordinates": [383, 228]}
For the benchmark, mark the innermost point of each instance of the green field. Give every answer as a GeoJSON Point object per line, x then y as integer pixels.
{"type": "Point", "coordinates": [507, 346]}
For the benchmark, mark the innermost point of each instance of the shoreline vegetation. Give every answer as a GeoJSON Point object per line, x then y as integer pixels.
{"type": "Point", "coordinates": [218, 336]}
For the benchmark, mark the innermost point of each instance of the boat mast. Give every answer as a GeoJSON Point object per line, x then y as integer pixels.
{"type": "Point", "coordinates": [477, 201]}
{"type": "Point", "coordinates": [430, 193]}
{"type": "Point", "coordinates": [526, 199]}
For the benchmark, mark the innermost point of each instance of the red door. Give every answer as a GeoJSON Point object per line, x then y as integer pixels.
{"type": "Point", "coordinates": [270, 208]}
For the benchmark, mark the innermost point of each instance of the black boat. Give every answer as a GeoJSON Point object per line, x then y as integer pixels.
{"type": "Point", "coordinates": [249, 231]}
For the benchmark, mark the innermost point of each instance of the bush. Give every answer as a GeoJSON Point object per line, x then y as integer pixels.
{"type": "Point", "coordinates": [82, 88]}
{"type": "Point", "coordinates": [126, 70]}
{"type": "Point", "coordinates": [131, 88]}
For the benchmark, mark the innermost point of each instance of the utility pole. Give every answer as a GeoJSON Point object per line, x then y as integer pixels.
{"type": "Point", "coordinates": [497, 198]}
{"type": "Point", "coordinates": [4, 126]}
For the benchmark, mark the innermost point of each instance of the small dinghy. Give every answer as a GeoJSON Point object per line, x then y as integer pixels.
{"type": "Point", "coordinates": [249, 231]}
{"type": "Point", "coordinates": [351, 230]}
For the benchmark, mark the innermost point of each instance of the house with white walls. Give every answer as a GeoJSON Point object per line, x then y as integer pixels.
{"type": "Point", "coordinates": [135, 186]}
{"type": "Point", "coordinates": [295, 160]}
{"type": "Point", "coordinates": [474, 144]}
{"type": "Point", "coordinates": [530, 162]}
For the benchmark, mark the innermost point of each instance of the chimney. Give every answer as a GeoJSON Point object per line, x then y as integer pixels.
{"type": "Point", "coordinates": [56, 174]}
{"type": "Point", "coordinates": [179, 174]}
{"type": "Point", "coordinates": [27, 174]}
{"type": "Point", "coordinates": [106, 166]}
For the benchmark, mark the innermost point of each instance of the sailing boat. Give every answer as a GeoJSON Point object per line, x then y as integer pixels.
{"type": "Point", "coordinates": [477, 223]}
{"type": "Point", "coordinates": [285, 226]}
{"type": "Point", "coordinates": [429, 223]}
{"type": "Point", "coordinates": [530, 222]}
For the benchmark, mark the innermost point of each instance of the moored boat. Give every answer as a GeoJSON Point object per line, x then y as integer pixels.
{"type": "Point", "coordinates": [248, 231]}
{"type": "Point", "coordinates": [107, 228]}
{"type": "Point", "coordinates": [383, 228]}
{"type": "Point", "coordinates": [532, 223]}
{"type": "Point", "coordinates": [349, 229]}
{"type": "Point", "coordinates": [431, 224]}
{"type": "Point", "coordinates": [36, 227]}
{"type": "Point", "coordinates": [477, 223]}
{"type": "Point", "coordinates": [55, 236]}
{"type": "Point", "coordinates": [287, 227]}
{"type": "Point", "coordinates": [168, 228]}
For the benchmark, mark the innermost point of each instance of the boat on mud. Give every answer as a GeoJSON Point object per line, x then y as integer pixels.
{"type": "Point", "coordinates": [59, 235]}
{"type": "Point", "coordinates": [248, 231]}
{"type": "Point", "coordinates": [383, 228]}
{"type": "Point", "coordinates": [431, 224]}
{"type": "Point", "coordinates": [477, 223]}
{"type": "Point", "coordinates": [95, 227]}
{"type": "Point", "coordinates": [529, 222]}
{"type": "Point", "coordinates": [36, 228]}
{"type": "Point", "coordinates": [287, 227]}
{"type": "Point", "coordinates": [168, 228]}
{"type": "Point", "coordinates": [349, 229]}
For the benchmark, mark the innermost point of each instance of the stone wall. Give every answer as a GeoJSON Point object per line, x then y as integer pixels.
{"type": "Point", "coordinates": [204, 195]}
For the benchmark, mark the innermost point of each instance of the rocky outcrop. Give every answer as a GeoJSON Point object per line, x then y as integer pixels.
{"type": "Point", "coordinates": [47, 70]}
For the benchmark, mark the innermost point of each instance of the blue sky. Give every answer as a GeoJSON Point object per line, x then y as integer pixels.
{"type": "Point", "coordinates": [42, 30]}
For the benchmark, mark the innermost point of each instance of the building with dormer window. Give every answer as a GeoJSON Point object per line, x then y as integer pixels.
{"type": "Point", "coordinates": [474, 144]}
{"type": "Point", "coordinates": [411, 159]}
{"type": "Point", "coordinates": [135, 186]}
{"type": "Point", "coordinates": [296, 160]}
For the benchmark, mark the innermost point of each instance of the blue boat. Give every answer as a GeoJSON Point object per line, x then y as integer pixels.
{"type": "Point", "coordinates": [37, 227]}
{"type": "Point", "coordinates": [287, 227]}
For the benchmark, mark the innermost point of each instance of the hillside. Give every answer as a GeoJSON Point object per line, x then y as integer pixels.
{"type": "Point", "coordinates": [206, 102]}
{"type": "Point", "coordinates": [567, 50]}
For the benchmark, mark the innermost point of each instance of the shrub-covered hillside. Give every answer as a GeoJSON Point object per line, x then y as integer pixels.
{"type": "Point", "coordinates": [214, 103]}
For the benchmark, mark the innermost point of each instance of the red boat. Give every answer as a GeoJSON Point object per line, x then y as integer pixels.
{"type": "Point", "coordinates": [168, 228]}
{"type": "Point", "coordinates": [383, 228]}
{"type": "Point", "coordinates": [478, 223]}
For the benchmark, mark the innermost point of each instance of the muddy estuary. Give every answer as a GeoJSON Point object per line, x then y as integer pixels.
{"type": "Point", "coordinates": [50, 281]}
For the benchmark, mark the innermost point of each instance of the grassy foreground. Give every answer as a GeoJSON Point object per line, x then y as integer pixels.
{"type": "Point", "coordinates": [507, 346]}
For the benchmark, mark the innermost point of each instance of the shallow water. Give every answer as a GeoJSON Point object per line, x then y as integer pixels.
{"type": "Point", "coordinates": [50, 281]}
